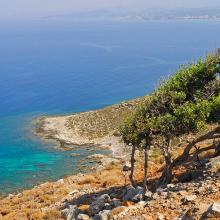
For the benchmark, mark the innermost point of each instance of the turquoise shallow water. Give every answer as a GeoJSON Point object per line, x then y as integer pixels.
{"type": "Point", "coordinates": [58, 67]}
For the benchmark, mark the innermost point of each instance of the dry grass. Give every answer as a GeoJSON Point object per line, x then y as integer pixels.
{"type": "Point", "coordinates": [88, 179]}
{"type": "Point", "coordinates": [52, 214]}
{"type": "Point", "coordinates": [96, 124]}
{"type": "Point", "coordinates": [43, 202]}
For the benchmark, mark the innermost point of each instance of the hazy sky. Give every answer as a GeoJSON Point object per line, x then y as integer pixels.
{"type": "Point", "coordinates": [14, 8]}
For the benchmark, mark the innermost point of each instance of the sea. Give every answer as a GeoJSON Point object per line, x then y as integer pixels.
{"type": "Point", "coordinates": [58, 67]}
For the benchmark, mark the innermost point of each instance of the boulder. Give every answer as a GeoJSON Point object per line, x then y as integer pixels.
{"type": "Point", "coordinates": [213, 211]}
{"type": "Point", "coordinates": [133, 194]}
{"type": "Point", "coordinates": [70, 213]}
{"type": "Point", "coordinates": [214, 164]}
{"type": "Point", "coordinates": [148, 196]}
{"type": "Point", "coordinates": [105, 197]}
{"type": "Point", "coordinates": [102, 215]}
{"type": "Point", "coordinates": [99, 204]}
{"type": "Point", "coordinates": [83, 217]}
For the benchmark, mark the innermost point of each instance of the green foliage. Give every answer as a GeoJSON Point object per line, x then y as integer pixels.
{"type": "Point", "coordinates": [193, 77]}
{"type": "Point", "coordinates": [129, 133]}
{"type": "Point", "coordinates": [184, 103]}
{"type": "Point", "coordinates": [215, 110]}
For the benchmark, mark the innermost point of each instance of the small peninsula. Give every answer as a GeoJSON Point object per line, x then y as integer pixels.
{"type": "Point", "coordinates": [98, 127]}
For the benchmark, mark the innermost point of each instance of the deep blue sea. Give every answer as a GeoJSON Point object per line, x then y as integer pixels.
{"type": "Point", "coordinates": [57, 67]}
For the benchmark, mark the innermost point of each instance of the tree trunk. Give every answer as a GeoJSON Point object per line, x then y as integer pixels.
{"type": "Point", "coordinates": [186, 153]}
{"type": "Point", "coordinates": [217, 150]}
{"type": "Point", "coordinates": [167, 175]}
{"type": "Point", "coordinates": [131, 176]}
{"type": "Point", "coordinates": [145, 170]}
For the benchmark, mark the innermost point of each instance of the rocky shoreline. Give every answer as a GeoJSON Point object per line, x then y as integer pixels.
{"type": "Point", "coordinates": [54, 128]}
{"type": "Point", "coordinates": [93, 128]}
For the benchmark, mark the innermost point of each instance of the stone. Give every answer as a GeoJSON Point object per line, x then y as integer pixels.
{"type": "Point", "coordinates": [173, 188]}
{"type": "Point", "coordinates": [107, 206]}
{"type": "Point", "coordinates": [164, 195]}
{"type": "Point", "coordinates": [133, 194]}
{"type": "Point", "coordinates": [126, 168]}
{"type": "Point", "coordinates": [83, 217]}
{"type": "Point", "coordinates": [73, 192]}
{"type": "Point", "coordinates": [142, 203]}
{"type": "Point", "coordinates": [105, 197]}
{"type": "Point", "coordinates": [70, 213]}
{"type": "Point", "coordinates": [148, 195]}
{"type": "Point", "coordinates": [200, 190]}
{"type": "Point", "coordinates": [102, 215]}
{"type": "Point", "coordinates": [96, 156]}
{"type": "Point", "coordinates": [60, 181]}
{"type": "Point", "coordinates": [211, 189]}
{"type": "Point", "coordinates": [64, 213]}
{"type": "Point", "coordinates": [189, 198]}
{"type": "Point", "coordinates": [137, 198]}
{"type": "Point", "coordinates": [155, 196]}
{"type": "Point", "coordinates": [99, 204]}
{"type": "Point", "coordinates": [214, 165]}
{"type": "Point", "coordinates": [115, 203]}
{"type": "Point", "coordinates": [10, 196]}
{"type": "Point", "coordinates": [160, 189]}
{"type": "Point", "coordinates": [160, 217]}
{"type": "Point", "coordinates": [213, 211]}
{"type": "Point", "coordinates": [186, 216]}
{"type": "Point", "coordinates": [170, 186]}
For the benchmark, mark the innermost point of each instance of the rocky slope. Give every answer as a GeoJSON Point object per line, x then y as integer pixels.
{"type": "Point", "coordinates": [105, 192]}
